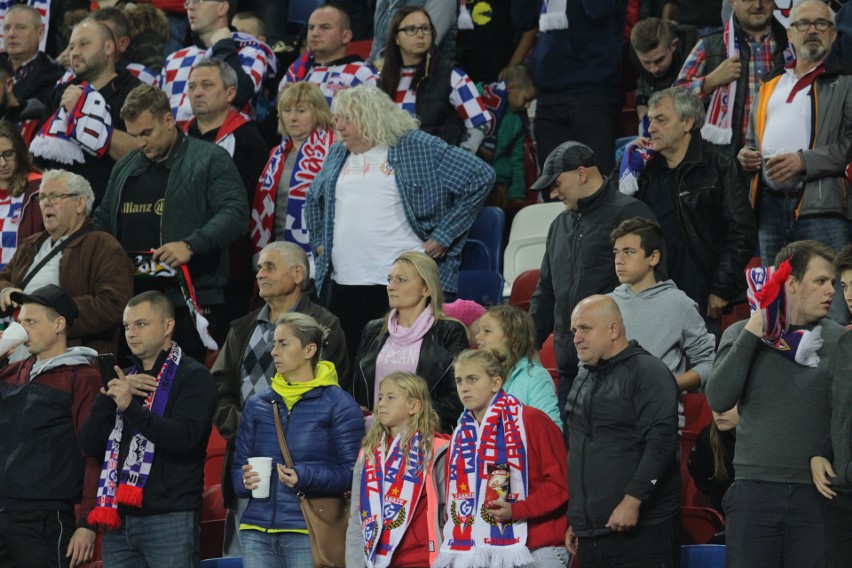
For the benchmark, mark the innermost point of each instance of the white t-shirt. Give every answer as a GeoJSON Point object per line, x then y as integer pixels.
{"type": "Point", "coordinates": [788, 125]}
{"type": "Point", "coordinates": [370, 228]}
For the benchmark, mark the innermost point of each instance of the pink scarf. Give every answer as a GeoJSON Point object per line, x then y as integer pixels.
{"type": "Point", "coordinates": [401, 351]}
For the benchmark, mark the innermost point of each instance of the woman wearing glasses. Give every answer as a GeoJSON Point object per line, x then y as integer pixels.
{"type": "Point", "coordinates": [19, 181]}
{"type": "Point", "coordinates": [430, 87]}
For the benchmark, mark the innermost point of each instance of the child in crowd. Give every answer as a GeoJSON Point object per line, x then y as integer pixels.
{"type": "Point", "coordinates": [398, 483]}
{"type": "Point", "coordinates": [492, 522]}
{"type": "Point", "coordinates": [468, 312]}
{"type": "Point", "coordinates": [503, 146]}
{"type": "Point", "coordinates": [711, 463]}
{"type": "Point", "coordinates": [658, 315]}
{"type": "Point", "coordinates": [843, 269]}
{"type": "Point", "coordinates": [513, 330]}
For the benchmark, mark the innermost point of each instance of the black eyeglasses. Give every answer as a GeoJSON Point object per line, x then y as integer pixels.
{"type": "Point", "coordinates": [412, 30]}
{"type": "Point", "coordinates": [8, 155]}
{"type": "Point", "coordinates": [820, 24]}
{"type": "Point", "coordinates": [54, 197]}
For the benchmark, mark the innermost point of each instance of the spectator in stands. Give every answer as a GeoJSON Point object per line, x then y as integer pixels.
{"type": "Point", "coordinates": [245, 363]}
{"type": "Point", "coordinates": [578, 255]}
{"type": "Point", "coordinates": [494, 36]}
{"type": "Point", "coordinates": [711, 463]}
{"type": "Point", "coordinates": [507, 101]}
{"type": "Point", "coordinates": [325, 62]}
{"type": "Point", "coordinates": [84, 130]}
{"type": "Point", "coordinates": [512, 330]}
{"type": "Point", "coordinates": [443, 13]}
{"type": "Point", "coordinates": [250, 23]}
{"type": "Point", "coordinates": [506, 493]}
{"type": "Point", "coordinates": [305, 122]}
{"type": "Point", "coordinates": [149, 32]}
{"type": "Point", "coordinates": [622, 416]}
{"type": "Point", "coordinates": [843, 268]}
{"type": "Point", "coordinates": [250, 59]}
{"type": "Point", "coordinates": [797, 151]}
{"type": "Point", "coordinates": [699, 196]}
{"type": "Point", "coordinates": [407, 425]}
{"type": "Point", "coordinates": [578, 74]}
{"type": "Point", "coordinates": [725, 67]}
{"type": "Point", "coordinates": [658, 315]}
{"type": "Point", "coordinates": [659, 49]}
{"type": "Point", "coordinates": [774, 512]}
{"type": "Point", "coordinates": [702, 14]}
{"type": "Point", "coordinates": [34, 73]}
{"type": "Point", "coordinates": [163, 405]}
{"type": "Point", "coordinates": [430, 87]}
{"type": "Point", "coordinates": [415, 337]}
{"type": "Point", "coordinates": [43, 402]}
{"type": "Point", "coordinates": [385, 189]}
{"type": "Point", "coordinates": [323, 437]}
{"type": "Point", "coordinates": [20, 216]}
{"type": "Point", "coordinates": [183, 199]}
{"type": "Point", "coordinates": [89, 265]}
{"type": "Point", "coordinates": [25, 116]}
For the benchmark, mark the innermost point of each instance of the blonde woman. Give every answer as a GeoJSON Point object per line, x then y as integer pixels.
{"type": "Point", "coordinates": [398, 487]}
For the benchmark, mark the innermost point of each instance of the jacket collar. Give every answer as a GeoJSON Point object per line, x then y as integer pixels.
{"type": "Point", "coordinates": [596, 199]}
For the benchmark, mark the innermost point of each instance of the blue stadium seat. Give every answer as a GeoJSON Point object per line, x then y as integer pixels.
{"type": "Point", "coordinates": [229, 562]}
{"type": "Point", "coordinates": [702, 556]}
{"type": "Point", "coordinates": [488, 228]}
{"type": "Point", "coordinates": [482, 286]}
{"type": "Point", "coordinates": [475, 256]}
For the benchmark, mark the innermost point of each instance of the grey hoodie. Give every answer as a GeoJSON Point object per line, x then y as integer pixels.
{"type": "Point", "coordinates": [72, 356]}
{"type": "Point", "coordinates": [666, 322]}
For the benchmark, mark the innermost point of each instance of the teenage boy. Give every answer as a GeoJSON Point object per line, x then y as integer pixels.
{"type": "Point", "coordinates": [662, 318]}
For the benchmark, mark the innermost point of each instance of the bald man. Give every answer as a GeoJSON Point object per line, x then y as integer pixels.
{"type": "Point", "coordinates": [622, 420]}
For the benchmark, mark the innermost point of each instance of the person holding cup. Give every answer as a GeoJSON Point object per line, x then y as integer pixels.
{"type": "Point", "coordinates": [323, 427]}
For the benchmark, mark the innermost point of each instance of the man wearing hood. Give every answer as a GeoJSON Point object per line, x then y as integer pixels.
{"type": "Point", "coordinates": [43, 402]}
{"type": "Point", "coordinates": [622, 420]}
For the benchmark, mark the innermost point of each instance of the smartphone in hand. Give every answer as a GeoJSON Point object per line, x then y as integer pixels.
{"type": "Point", "coordinates": [106, 366]}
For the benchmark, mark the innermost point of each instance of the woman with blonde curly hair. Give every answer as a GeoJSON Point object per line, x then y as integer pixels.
{"type": "Point", "coordinates": [397, 486]}
{"type": "Point", "coordinates": [384, 189]}
{"type": "Point", "coordinates": [415, 337]}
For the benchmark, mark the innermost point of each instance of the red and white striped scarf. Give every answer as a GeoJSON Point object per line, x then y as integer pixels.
{"type": "Point", "coordinates": [718, 124]}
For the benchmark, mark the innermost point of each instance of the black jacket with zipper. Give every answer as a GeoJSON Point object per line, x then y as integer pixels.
{"type": "Point", "coordinates": [622, 435]}
{"type": "Point", "coordinates": [444, 340]}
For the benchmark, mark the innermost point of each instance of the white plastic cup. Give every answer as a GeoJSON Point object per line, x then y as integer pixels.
{"type": "Point", "coordinates": [262, 466]}
{"type": "Point", "coordinates": [13, 336]}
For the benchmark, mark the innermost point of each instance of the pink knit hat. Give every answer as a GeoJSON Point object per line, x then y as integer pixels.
{"type": "Point", "coordinates": [466, 311]}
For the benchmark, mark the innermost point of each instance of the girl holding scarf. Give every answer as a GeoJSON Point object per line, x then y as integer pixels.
{"type": "Point", "coordinates": [305, 121]}
{"type": "Point", "coordinates": [397, 488]}
{"type": "Point", "coordinates": [415, 337]}
{"type": "Point", "coordinates": [323, 428]}
{"type": "Point", "coordinates": [494, 522]}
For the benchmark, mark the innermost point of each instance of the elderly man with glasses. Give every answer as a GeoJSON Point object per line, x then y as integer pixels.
{"type": "Point", "coordinates": [89, 265]}
{"type": "Point", "coordinates": [249, 57]}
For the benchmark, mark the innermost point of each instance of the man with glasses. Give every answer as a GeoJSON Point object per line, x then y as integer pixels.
{"type": "Point", "coordinates": [798, 142]}
{"type": "Point", "coordinates": [326, 64]}
{"type": "Point", "coordinates": [725, 67]}
{"type": "Point", "coordinates": [89, 265]}
{"type": "Point", "coordinates": [250, 58]}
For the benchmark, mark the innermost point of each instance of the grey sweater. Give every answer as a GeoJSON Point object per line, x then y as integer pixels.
{"type": "Point", "coordinates": [784, 406]}
{"type": "Point", "coordinates": [666, 322]}
{"type": "Point", "coordinates": [837, 446]}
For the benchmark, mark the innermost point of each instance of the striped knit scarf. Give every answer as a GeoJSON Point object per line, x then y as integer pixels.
{"type": "Point", "coordinates": [718, 127]}
{"type": "Point", "coordinates": [633, 163]}
{"type": "Point", "coordinates": [766, 293]}
{"type": "Point", "coordinates": [127, 488]}
{"type": "Point", "coordinates": [553, 15]}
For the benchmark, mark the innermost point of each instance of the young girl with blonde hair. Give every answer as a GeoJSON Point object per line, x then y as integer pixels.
{"type": "Point", "coordinates": [396, 487]}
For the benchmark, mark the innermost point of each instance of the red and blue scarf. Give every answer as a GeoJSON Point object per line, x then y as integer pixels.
{"type": "Point", "coordinates": [472, 537]}
{"type": "Point", "coordinates": [392, 481]}
{"type": "Point", "coordinates": [126, 488]}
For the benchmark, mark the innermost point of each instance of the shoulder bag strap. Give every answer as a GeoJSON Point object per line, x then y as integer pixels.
{"type": "Point", "coordinates": [282, 442]}
{"type": "Point", "coordinates": [88, 228]}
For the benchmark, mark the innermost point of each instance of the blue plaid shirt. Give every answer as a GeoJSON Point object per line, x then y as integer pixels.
{"type": "Point", "coordinates": [442, 188]}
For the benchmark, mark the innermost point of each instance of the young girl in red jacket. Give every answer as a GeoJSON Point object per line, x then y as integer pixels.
{"type": "Point", "coordinates": [397, 486]}
{"type": "Point", "coordinates": [507, 479]}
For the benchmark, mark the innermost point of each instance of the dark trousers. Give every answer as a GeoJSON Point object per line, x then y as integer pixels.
{"type": "Point", "coordinates": [644, 546]}
{"type": "Point", "coordinates": [36, 538]}
{"type": "Point", "coordinates": [587, 117]}
{"type": "Point", "coordinates": [838, 531]}
{"type": "Point", "coordinates": [355, 306]}
{"type": "Point", "coordinates": [773, 525]}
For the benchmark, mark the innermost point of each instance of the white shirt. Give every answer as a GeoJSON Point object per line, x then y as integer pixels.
{"type": "Point", "coordinates": [788, 125]}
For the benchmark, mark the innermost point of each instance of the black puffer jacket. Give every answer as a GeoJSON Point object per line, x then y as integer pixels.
{"type": "Point", "coordinates": [622, 431]}
{"type": "Point", "coordinates": [716, 217]}
{"type": "Point", "coordinates": [441, 344]}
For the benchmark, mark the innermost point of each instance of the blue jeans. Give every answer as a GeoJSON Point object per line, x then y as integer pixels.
{"type": "Point", "coordinates": [275, 550]}
{"type": "Point", "coordinates": [170, 539]}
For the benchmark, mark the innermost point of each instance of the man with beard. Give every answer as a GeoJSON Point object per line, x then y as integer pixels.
{"type": "Point", "coordinates": [90, 106]}
{"type": "Point", "coordinates": [798, 140]}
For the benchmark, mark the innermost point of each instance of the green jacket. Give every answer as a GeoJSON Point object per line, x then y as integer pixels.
{"type": "Point", "coordinates": [205, 205]}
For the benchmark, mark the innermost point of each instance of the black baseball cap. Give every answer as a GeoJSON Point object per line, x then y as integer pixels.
{"type": "Point", "coordinates": [53, 297]}
{"type": "Point", "coordinates": [564, 158]}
